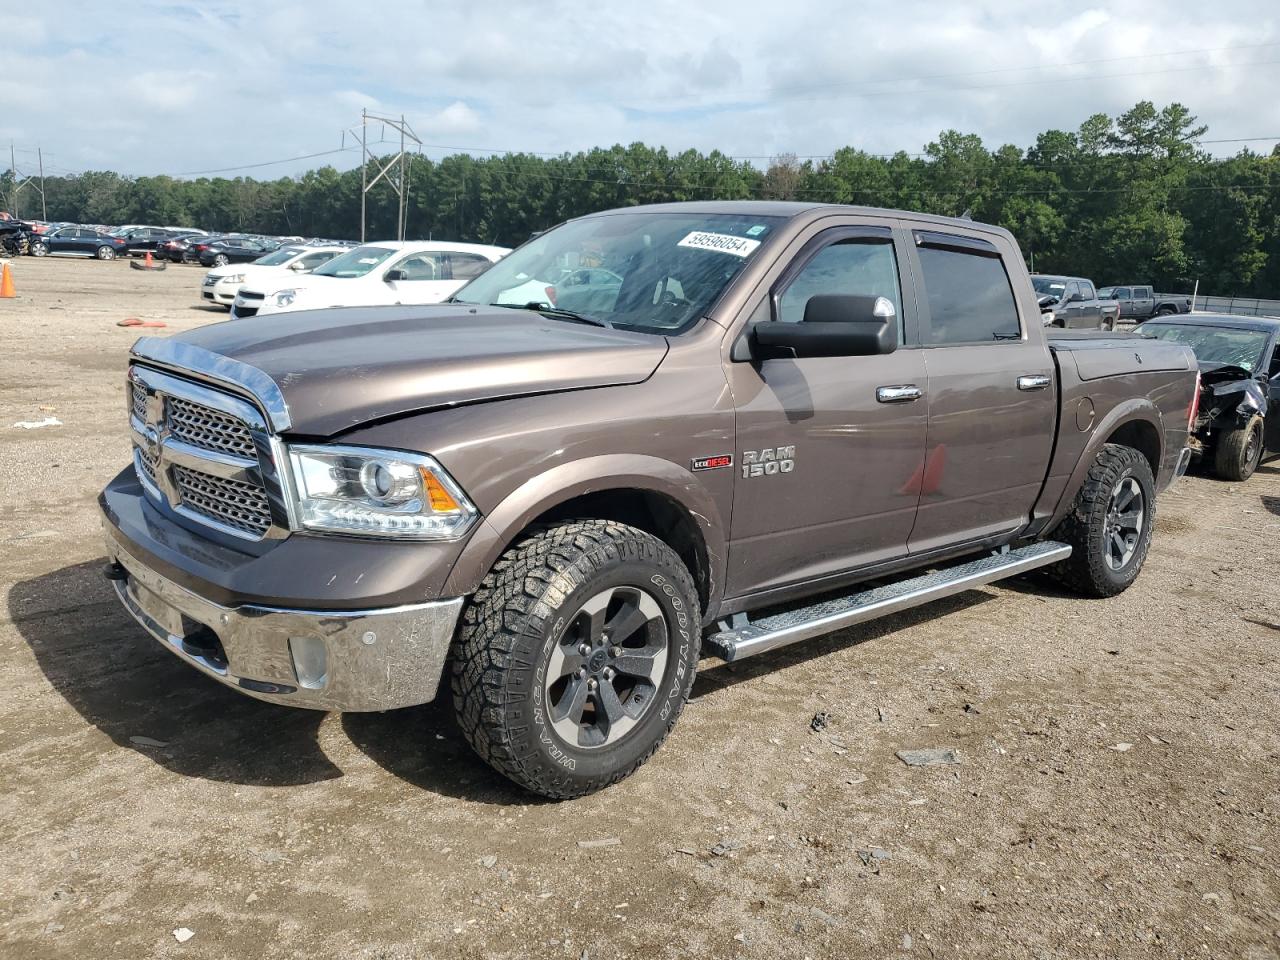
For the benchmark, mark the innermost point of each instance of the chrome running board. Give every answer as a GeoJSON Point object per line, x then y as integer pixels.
{"type": "Point", "coordinates": [781, 629]}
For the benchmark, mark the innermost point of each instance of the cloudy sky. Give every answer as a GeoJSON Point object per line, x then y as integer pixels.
{"type": "Point", "coordinates": [182, 88]}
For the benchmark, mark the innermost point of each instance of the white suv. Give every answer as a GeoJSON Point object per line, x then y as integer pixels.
{"type": "Point", "coordinates": [377, 273]}
{"type": "Point", "coordinates": [221, 284]}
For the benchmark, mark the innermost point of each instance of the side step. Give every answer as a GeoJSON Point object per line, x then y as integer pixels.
{"type": "Point", "coordinates": [784, 628]}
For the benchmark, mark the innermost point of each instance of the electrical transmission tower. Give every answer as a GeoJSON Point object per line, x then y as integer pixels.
{"type": "Point", "coordinates": [28, 181]}
{"type": "Point", "coordinates": [395, 170]}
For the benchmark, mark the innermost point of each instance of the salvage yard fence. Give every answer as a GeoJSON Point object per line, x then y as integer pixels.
{"type": "Point", "coordinates": [1241, 306]}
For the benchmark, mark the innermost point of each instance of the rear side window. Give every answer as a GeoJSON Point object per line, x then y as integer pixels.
{"type": "Point", "coordinates": [970, 299]}
{"type": "Point", "coordinates": [464, 266]}
{"type": "Point", "coordinates": [851, 267]}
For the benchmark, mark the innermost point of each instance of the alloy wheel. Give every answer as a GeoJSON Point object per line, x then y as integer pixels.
{"type": "Point", "coordinates": [1123, 530]}
{"type": "Point", "coordinates": [603, 673]}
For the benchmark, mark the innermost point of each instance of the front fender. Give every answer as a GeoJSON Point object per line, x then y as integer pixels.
{"type": "Point", "coordinates": [566, 481]}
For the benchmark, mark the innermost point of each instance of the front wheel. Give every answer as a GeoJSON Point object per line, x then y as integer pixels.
{"type": "Point", "coordinates": [575, 656]}
{"type": "Point", "coordinates": [1109, 526]}
{"type": "Point", "coordinates": [1239, 451]}
{"type": "Point", "coordinates": [221, 260]}
{"type": "Point", "coordinates": [39, 250]}
{"type": "Point", "coordinates": [106, 253]}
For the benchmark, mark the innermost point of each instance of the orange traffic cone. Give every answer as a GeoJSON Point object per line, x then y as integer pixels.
{"type": "Point", "coordinates": [148, 260]}
{"type": "Point", "coordinates": [6, 284]}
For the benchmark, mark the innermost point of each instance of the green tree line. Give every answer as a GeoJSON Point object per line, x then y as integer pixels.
{"type": "Point", "coordinates": [1131, 198]}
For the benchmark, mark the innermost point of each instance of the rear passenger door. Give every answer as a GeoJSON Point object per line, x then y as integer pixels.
{"type": "Point", "coordinates": [992, 394]}
{"type": "Point", "coordinates": [1143, 304]}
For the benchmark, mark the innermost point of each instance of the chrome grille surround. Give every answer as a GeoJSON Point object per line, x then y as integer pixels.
{"type": "Point", "coordinates": [208, 456]}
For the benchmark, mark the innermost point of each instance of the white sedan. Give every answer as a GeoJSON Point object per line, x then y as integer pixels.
{"type": "Point", "coordinates": [374, 274]}
{"type": "Point", "coordinates": [221, 284]}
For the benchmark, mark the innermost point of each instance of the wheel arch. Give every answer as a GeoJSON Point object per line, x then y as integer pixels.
{"type": "Point", "coordinates": [649, 493]}
{"type": "Point", "coordinates": [1137, 424]}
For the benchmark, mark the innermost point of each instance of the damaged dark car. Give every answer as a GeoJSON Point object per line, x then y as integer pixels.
{"type": "Point", "coordinates": [1238, 424]}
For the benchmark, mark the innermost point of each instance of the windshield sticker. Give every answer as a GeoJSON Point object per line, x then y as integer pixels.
{"type": "Point", "coordinates": [720, 243]}
{"type": "Point", "coordinates": [758, 229]}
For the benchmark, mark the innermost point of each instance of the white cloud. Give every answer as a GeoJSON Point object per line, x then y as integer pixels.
{"type": "Point", "coordinates": [217, 83]}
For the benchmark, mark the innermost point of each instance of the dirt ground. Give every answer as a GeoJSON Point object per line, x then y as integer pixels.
{"type": "Point", "coordinates": [1117, 796]}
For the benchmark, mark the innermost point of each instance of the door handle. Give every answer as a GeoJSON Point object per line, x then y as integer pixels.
{"type": "Point", "coordinates": [1037, 381]}
{"type": "Point", "coordinates": [902, 393]}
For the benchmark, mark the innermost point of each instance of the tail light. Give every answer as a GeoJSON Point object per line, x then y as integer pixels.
{"type": "Point", "coordinates": [1194, 410]}
{"type": "Point", "coordinates": [551, 295]}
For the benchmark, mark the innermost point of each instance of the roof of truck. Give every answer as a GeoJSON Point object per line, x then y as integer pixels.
{"type": "Point", "coordinates": [792, 209]}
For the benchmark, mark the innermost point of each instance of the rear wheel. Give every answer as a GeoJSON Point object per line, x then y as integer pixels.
{"type": "Point", "coordinates": [575, 656]}
{"type": "Point", "coordinates": [106, 253]}
{"type": "Point", "coordinates": [1238, 452]}
{"type": "Point", "coordinates": [1165, 311]}
{"type": "Point", "coordinates": [221, 260]}
{"type": "Point", "coordinates": [1109, 526]}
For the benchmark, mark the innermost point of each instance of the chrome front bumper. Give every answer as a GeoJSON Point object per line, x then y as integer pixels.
{"type": "Point", "coordinates": [353, 661]}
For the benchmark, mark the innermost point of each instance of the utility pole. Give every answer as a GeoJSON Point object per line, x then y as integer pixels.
{"type": "Point", "coordinates": [399, 179]}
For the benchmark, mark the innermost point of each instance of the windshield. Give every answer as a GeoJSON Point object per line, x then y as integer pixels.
{"type": "Point", "coordinates": [1218, 345]}
{"type": "Point", "coordinates": [1048, 287]}
{"type": "Point", "coordinates": [653, 272]}
{"type": "Point", "coordinates": [283, 255]}
{"type": "Point", "coordinates": [354, 263]}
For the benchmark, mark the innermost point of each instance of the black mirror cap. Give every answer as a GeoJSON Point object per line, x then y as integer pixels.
{"type": "Point", "coordinates": [395, 275]}
{"type": "Point", "coordinates": [835, 325]}
{"type": "Point", "coordinates": [1048, 300]}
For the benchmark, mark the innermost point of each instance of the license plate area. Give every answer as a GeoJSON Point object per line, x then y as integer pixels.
{"type": "Point", "coordinates": [168, 619]}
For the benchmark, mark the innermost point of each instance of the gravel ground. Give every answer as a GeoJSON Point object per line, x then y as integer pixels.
{"type": "Point", "coordinates": [1116, 795]}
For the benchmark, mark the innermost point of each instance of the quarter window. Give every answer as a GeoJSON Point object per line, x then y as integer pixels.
{"type": "Point", "coordinates": [852, 267]}
{"type": "Point", "coordinates": [970, 299]}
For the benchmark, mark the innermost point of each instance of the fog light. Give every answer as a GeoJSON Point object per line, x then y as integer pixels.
{"type": "Point", "coordinates": [310, 660]}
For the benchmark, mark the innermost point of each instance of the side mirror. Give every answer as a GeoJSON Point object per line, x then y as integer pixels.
{"type": "Point", "coordinates": [1075, 298]}
{"type": "Point", "coordinates": [835, 325]}
{"type": "Point", "coordinates": [298, 267]}
{"type": "Point", "coordinates": [1048, 300]}
{"type": "Point", "coordinates": [393, 275]}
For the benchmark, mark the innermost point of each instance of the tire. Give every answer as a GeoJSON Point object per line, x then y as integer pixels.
{"type": "Point", "coordinates": [1166, 311]}
{"type": "Point", "coordinates": [39, 250]}
{"type": "Point", "coordinates": [106, 253]}
{"type": "Point", "coordinates": [1238, 452]}
{"type": "Point", "coordinates": [1105, 559]}
{"type": "Point", "coordinates": [221, 260]}
{"type": "Point", "coordinates": [519, 700]}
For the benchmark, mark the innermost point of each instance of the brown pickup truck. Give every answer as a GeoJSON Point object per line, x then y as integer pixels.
{"type": "Point", "coordinates": [646, 435]}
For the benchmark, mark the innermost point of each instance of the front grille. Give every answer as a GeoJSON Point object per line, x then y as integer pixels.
{"type": "Point", "coordinates": [242, 506]}
{"type": "Point", "coordinates": [146, 467]}
{"type": "Point", "coordinates": [209, 429]}
{"type": "Point", "coordinates": [250, 295]}
{"type": "Point", "coordinates": [139, 400]}
{"type": "Point", "coordinates": [211, 280]}
{"type": "Point", "coordinates": [183, 461]}
{"type": "Point", "coordinates": [245, 312]}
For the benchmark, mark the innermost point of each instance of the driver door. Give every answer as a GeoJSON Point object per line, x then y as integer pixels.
{"type": "Point", "coordinates": [828, 463]}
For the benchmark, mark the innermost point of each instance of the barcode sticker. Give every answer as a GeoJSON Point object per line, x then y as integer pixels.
{"type": "Point", "coordinates": [720, 243]}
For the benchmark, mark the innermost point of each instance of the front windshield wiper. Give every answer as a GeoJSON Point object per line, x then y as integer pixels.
{"type": "Point", "coordinates": [555, 313]}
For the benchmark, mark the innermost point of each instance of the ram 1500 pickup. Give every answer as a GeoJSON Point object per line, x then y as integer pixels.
{"type": "Point", "coordinates": [646, 435]}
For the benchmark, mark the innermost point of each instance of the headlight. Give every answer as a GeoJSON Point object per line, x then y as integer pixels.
{"type": "Point", "coordinates": [1047, 318]}
{"type": "Point", "coordinates": [234, 278]}
{"type": "Point", "coordinates": [282, 298]}
{"type": "Point", "coordinates": [382, 493]}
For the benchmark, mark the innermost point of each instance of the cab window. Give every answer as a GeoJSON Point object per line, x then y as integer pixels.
{"type": "Point", "coordinates": [970, 298]}
{"type": "Point", "coordinates": [854, 267]}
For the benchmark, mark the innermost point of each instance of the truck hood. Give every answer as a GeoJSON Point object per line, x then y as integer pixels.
{"type": "Point", "coordinates": [349, 366]}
